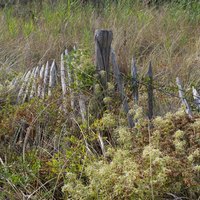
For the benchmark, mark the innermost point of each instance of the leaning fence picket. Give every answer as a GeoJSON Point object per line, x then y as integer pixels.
{"type": "Point", "coordinates": [62, 75]}
{"type": "Point", "coordinates": [118, 79]}
{"type": "Point", "coordinates": [102, 144]}
{"type": "Point", "coordinates": [70, 82]}
{"type": "Point", "coordinates": [82, 107]}
{"type": "Point", "coordinates": [45, 81]}
{"type": "Point", "coordinates": [196, 97]}
{"type": "Point", "coordinates": [52, 78]}
{"type": "Point", "coordinates": [40, 86]}
{"type": "Point", "coordinates": [135, 84]}
{"type": "Point", "coordinates": [182, 97]}
{"type": "Point", "coordinates": [23, 86]}
{"type": "Point", "coordinates": [28, 85]}
{"type": "Point", "coordinates": [34, 84]}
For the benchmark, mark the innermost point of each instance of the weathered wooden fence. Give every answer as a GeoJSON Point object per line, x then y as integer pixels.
{"type": "Point", "coordinates": [40, 81]}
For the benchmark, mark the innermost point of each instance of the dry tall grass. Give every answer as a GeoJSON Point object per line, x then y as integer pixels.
{"type": "Point", "coordinates": [167, 36]}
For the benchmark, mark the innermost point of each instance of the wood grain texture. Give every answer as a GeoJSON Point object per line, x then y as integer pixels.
{"type": "Point", "coordinates": [103, 40]}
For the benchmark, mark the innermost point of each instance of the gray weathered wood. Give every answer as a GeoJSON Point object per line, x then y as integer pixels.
{"type": "Point", "coordinates": [82, 107]}
{"type": "Point", "coordinates": [135, 84]}
{"type": "Point", "coordinates": [119, 81]}
{"type": "Point", "coordinates": [34, 84]}
{"type": "Point", "coordinates": [41, 78]}
{"type": "Point", "coordinates": [45, 82]}
{"type": "Point", "coordinates": [182, 97]}
{"type": "Point", "coordinates": [13, 83]}
{"type": "Point", "coordinates": [70, 82]}
{"type": "Point", "coordinates": [150, 91]}
{"type": "Point", "coordinates": [196, 97]}
{"type": "Point", "coordinates": [23, 86]}
{"type": "Point", "coordinates": [62, 75]}
{"type": "Point", "coordinates": [102, 144]}
{"type": "Point", "coordinates": [28, 85]}
{"type": "Point", "coordinates": [103, 40]}
{"type": "Point", "coordinates": [52, 78]}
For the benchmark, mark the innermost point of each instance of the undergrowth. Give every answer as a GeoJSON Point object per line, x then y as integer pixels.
{"type": "Point", "coordinates": [48, 152]}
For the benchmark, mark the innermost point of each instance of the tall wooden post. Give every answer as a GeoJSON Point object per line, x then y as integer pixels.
{"type": "Point", "coordinates": [103, 40]}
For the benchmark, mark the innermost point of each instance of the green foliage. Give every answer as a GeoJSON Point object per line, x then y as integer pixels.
{"type": "Point", "coordinates": [143, 166]}
{"type": "Point", "coordinates": [19, 174]}
{"type": "Point", "coordinates": [79, 65]}
{"type": "Point", "coordinates": [145, 162]}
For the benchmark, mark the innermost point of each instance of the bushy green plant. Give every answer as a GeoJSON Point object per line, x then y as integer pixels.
{"type": "Point", "coordinates": [143, 166]}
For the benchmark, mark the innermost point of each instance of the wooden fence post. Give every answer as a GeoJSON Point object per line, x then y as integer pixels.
{"type": "Point", "coordinates": [150, 91]}
{"type": "Point", "coordinates": [103, 40]}
{"type": "Point", "coordinates": [182, 97]}
{"type": "Point", "coordinates": [120, 87]}
{"type": "Point", "coordinates": [135, 84]}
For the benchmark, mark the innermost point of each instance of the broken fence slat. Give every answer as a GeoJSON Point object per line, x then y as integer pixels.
{"type": "Point", "coordinates": [135, 85]}
{"type": "Point", "coordinates": [82, 106]}
{"type": "Point", "coordinates": [182, 97]}
{"type": "Point", "coordinates": [120, 86]}
{"type": "Point", "coordinates": [196, 97]}
{"type": "Point", "coordinates": [102, 144]}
